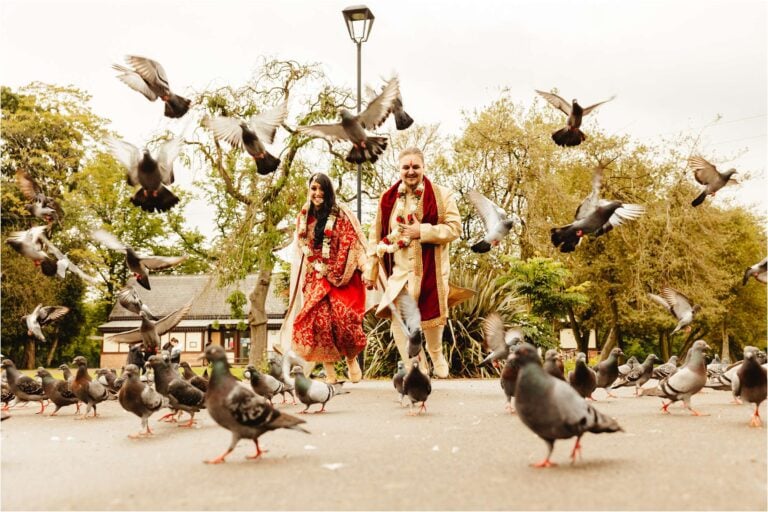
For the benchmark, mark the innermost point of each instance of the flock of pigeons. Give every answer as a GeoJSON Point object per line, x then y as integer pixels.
{"type": "Point", "coordinates": [548, 404]}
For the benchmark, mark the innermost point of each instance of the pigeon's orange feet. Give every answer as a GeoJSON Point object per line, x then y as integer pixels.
{"type": "Point", "coordinates": [546, 463]}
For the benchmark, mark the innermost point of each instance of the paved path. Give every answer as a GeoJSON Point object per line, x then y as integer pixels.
{"type": "Point", "coordinates": [366, 453]}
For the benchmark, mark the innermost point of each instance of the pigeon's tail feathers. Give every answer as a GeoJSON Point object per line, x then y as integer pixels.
{"type": "Point", "coordinates": [266, 164]}
{"type": "Point", "coordinates": [568, 137]}
{"type": "Point", "coordinates": [481, 247]}
{"type": "Point", "coordinates": [338, 388]}
{"type": "Point", "coordinates": [287, 421]}
{"type": "Point", "coordinates": [374, 146]}
{"type": "Point", "coordinates": [565, 238]}
{"type": "Point", "coordinates": [176, 106]}
{"type": "Point", "coordinates": [598, 422]}
{"type": "Point", "coordinates": [161, 200]}
{"type": "Point", "coordinates": [699, 199]}
{"type": "Point", "coordinates": [402, 119]}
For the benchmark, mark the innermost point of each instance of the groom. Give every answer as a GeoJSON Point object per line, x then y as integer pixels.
{"type": "Point", "coordinates": [408, 241]}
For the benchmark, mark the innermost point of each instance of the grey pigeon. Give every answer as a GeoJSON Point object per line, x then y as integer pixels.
{"type": "Point", "coordinates": [264, 384]}
{"type": "Point", "coordinates": [193, 378]}
{"type": "Point", "coordinates": [759, 271]}
{"type": "Point", "coordinates": [252, 135]}
{"type": "Point", "coordinates": [406, 311]}
{"type": "Point", "coordinates": [499, 340]}
{"type": "Point", "coordinates": [365, 148]}
{"type": "Point", "coordinates": [7, 396]}
{"type": "Point", "coordinates": [291, 359]}
{"type": "Point", "coordinates": [509, 381]}
{"type": "Point", "coordinates": [398, 379]}
{"type": "Point", "coordinates": [571, 135]}
{"type": "Point", "coordinates": [109, 379]}
{"type": "Point", "coordinates": [583, 378]}
{"type": "Point", "coordinates": [182, 396]}
{"type": "Point", "coordinates": [708, 175]}
{"type": "Point", "coordinates": [595, 217]}
{"type": "Point", "coordinates": [678, 305]}
{"type": "Point", "coordinates": [152, 175]}
{"type": "Point", "coordinates": [627, 367]}
{"type": "Point", "coordinates": [138, 264]}
{"type": "Point", "coordinates": [149, 333]}
{"type": "Point", "coordinates": [417, 386]}
{"type": "Point", "coordinates": [40, 317]}
{"type": "Point", "coordinates": [29, 243]}
{"type": "Point", "coordinates": [685, 382]}
{"type": "Point", "coordinates": [239, 409]}
{"type": "Point", "coordinates": [715, 367]}
{"type": "Point", "coordinates": [639, 374]}
{"type": "Point", "coordinates": [90, 392]}
{"type": "Point", "coordinates": [275, 369]}
{"type": "Point", "coordinates": [665, 370]}
{"type": "Point", "coordinates": [39, 205]}
{"type": "Point", "coordinates": [496, 221]}
{"type": "Point", "coordinates": [752, 383]}
{"type": "Point", "coordinates": [149, 78]}
{"type": "Point", "coordinates": [608, 370]}
{"type": "Point", "coordinates": [551, 408]}
{"type": "Point", "coordinates": [129, 298]}
{"type": "Point", "coordinates": [553, 364]}
{"type": "Point", "coordinates": [26, 389]}
{"type": "Point", "coordinates": [138, 398]}
{"type": "Point", "coordinates": [313, 391]}
{"type": "Point", "coordinates": [62, 264]}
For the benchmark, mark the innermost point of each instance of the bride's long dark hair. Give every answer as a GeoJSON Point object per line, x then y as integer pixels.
{"type": "Point", "coordinates": [329, 203]}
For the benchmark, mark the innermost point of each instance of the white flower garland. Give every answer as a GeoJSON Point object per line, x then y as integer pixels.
{"type": "Point", "coordinates": [319, 265]}
{"type": "Point", "coordinates": [396, 240]}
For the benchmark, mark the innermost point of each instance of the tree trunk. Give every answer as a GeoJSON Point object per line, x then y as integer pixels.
{"type": "Point", "coordinates": [726, 351]}
{"type": "Point", "coordinates": [29, 353]}
{"type": "Point", "coordinates": [582, 343]}
{"type": "Point", "coordinates": [664, 345]}
{"type": "Point", "coordinates": [52, 352]}
{"type": "Point", "coordinates": [610, 342]}
{"type": "Point", "coordinates": [257, 317]}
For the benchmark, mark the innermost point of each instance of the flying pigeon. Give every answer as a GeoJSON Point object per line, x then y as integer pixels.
{"type": "Point", "coordinates": [365, 148]}
{"type": "Point", "coordinates": [551, 408]}
{"type": "Point", "coordinates": [509, 380]}
{"type": "Point", "coordinates": [264, 384]}
{"type": "Point", "coordinates": [583, 378]}
{"type": "Point", "coordinates": [25, 388]}
{"type": "Point", "coordinates": [29, 243]}
{"type": "Point", "coordinates": [129, 298]}
{"type": "Point", "coordinates": [239, 409]}
{"type": "Point", "coordinates": [402, 119]}
{"type": "Point", "coordinates": [40, 205]}
{"type": "Point", "coordinates": [90, 392]}
{"type": "Point", "coordinates": [181, 395]}
{"type": "Point", "coordinates": [406, 311]}
{"type": "Point", "coordinates": [148, 77]}
{"type": "Point", "coordinates": [41, 316]}
{"type": "Point", "coordinates": [313, 391]}
{"type": "Point", "coordinates": [397, 380]}
{"type": "Point", "coordinates": [193, 378]}
{"type": "Point", "coordinates": [759, 271]}
{"type": "Point", "coordinates": [417, 387]}
{"type": "Point", "coordinates": [57, 391]}
{"type": "Point", "coordinates": [594, 216]}
{"type": "Point", "coordinates": [252, 135]}
{"type": "Point", "coordinates": [138, 398]}
{"type": "Point", "coordinates": [570, 135]}
{"type": "Point", "coordinates": [499, 340]}
{"type": "Point", "coordinates": [553, 364]}
{"type": "Point", "coordinates": [638, 375]}
{"type": "Point", "coordinates": [139, 265]}
{"type": "Point", "coordinates": [678, 305]}
{"type": "Point", "coordinates": [149, 332]}
{"type": "Point", "coordinates": [496, 221]}
{"type": "Point", "coordinates": [608, 370]}
{"type": "Point", "coordinates": [62, 264]}
{"type": "Point", "coordinates": [686, 382]}
{"type": "Point", "coordinates": [152, 175]}
{"type": "Point", "coordinates": [708, 175]}
{"type": "Point", "coordinates": [752, 383]}
{"type": "Point", "coordinates": [665, 370]}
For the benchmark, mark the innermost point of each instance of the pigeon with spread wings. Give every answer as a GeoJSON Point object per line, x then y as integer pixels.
{"type": "Point", "coordinates": [680, 306]}
{"type": "Point", "coordinates": [40, 205]}
{"type": "Point", "coordinates": [42, 316]}
{"type": "Point", "coordinates": [149, 333]}
{"type": "Point", "coordinates": [148, 77]}
{"type": "Point", "coordinates": [496, 221]}
{"type": "Point", "coordinates": [571, 135]}
{"type": "Point", "coordinates": [708, 175]}
{"type": "Point", "coordinates": [29, 243]}
{"type": "Point", "coordinates": [365, 148]}
{"type": "Point", "coordinates": [62, 264]}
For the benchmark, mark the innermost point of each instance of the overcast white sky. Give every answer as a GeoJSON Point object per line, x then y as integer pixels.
{"type": "Point", "coordinates": [674, 65]}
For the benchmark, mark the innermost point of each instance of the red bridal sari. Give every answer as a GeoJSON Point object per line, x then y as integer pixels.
{"type": "Point", "coordinates": [329, 325]}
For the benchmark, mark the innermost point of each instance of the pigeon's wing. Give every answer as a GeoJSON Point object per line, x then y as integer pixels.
{"type": "Point", "coordinates": [96, 389]}
{"type": "Point", "coordinates": [626, 212]}
{"type": "Point", "coordinates": [132, 336]}
{"type": "Point", "coordinates": [32, 324]}
{"type": "Point", "coordinates": [50, 314]}
{"type": "Point", "coordinates": [571, 408]}
{"type": "Point", "coordinates": [409, 310]}
{"type": "Point", "coordinates": [227, 129]}
{"type": "Point", "coordinates": [248, 408]}
{"type": "Point", "coordinates": [592, 201]}
{"type": "Point", "coordinates": [332, 132]}
{"type": "Point", "coordinates": [79, 272]}
{"type": "Point", "coordinates": [556, 101]}
{"type": "Point", "coordinates": [128, 155]}
{"type": "Point", "coordinates": [52, 248]}
{"type": "Point", "coordinates": [319, 392]}
{"type": "Point", "coordinates": [133, 80]}
{"type": "Point", "coordinates": [170, 321]}
{"type": "Point", "coordinates": [150, 70]}
{"type": "Point", "coordinates": [493, 328]}
{"type": "Point", "coordinates": [27, 185]}
{"type": "Point", "coordinates": [168, 152]}
{"type": "Point", "coordinates": [162, 262]}
{"type": "Point", "coordinates": [592, 108]}
{"type": "Point", "coordinates": [489, 212]}
{"type": "Point", "coordinates": [151, 399]}
{"type": "Point", "coordinates": [108, 239]}
{"type": "Point", "coordinates": [129, 298]}
{"type": "Point", "coordinates": [265, 123]}
{"type": "Point", "coordinates": [704, 172]}
{"type": "Point", "coordinates": [377, 110]}
{"type": "Point", "coordinates": [679, 304]}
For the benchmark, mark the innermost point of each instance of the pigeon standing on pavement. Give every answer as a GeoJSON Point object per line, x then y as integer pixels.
{"type": "Point", "coordinates": [571, 135]}
{"type": "Point", "coordinates": [313, 391]}
{"type": "Point", "coordinates": [149, 78]}
{"type": "Point", "coordinates": [496, 221]}
{"type": "Point", "coordinates": [90, 392]}
{"type": "Point", "coordinates": [551, 408]}
{"type": "Point", "coordinates": [398, 379]}
{"type": "Point", "coordinates": [638, 375]}
{"type": "Point", "coordinates": [678, 305]}
{"type": "Point", "coordinates": [41, 316]}
{"type": "Point", "coordinates": [665, 370]}
{"type": "Point", "coordinates": [138, 398]}
{"type": "Point", "coordinates": [264, 384]}
{"type": "Point", "coordinates": [685, 382]}
{"type": "Point", "coordinates": [553, 364]}
{"type": "Point", "coordinates": [509, 381]}
{"type": "Point", "coordinates": [708, 175]}
{"type": "Point", "coordinates": [252, 135]}
{"type": "Point", "coordinates": [417, 386]}
{"type": "Point", "coordinates": [608, 370]}
{"type": "Point", "coordinates": [150, 331]}
{"type": "Point", "coordinates": [752, 383]}
{"type": "Point", "coordinates": [25, 388]}
{"type": "Point", "coordinates": [583, 378]}
{"type": "Point", "coordinates": [499, 340]}
{"type": "Point", "coordinates": [239, 409]}
{"type": "Point", "coordinates": [627, 367]}
{"type": "Point", "coordinates": [182, 396]}
{"type": "Point", "coordinates": [129, 298]}
{"type": "Point", "coordinates": [759, 271]}
{"type": "Point", "coordinates": [193, 378]}
{"type": "Point", "coordinates": [365, 148]}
